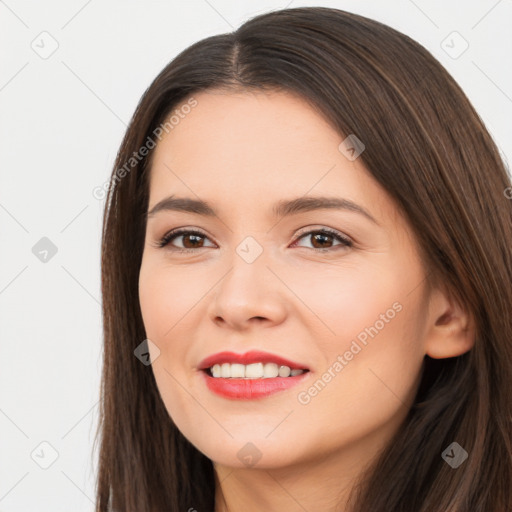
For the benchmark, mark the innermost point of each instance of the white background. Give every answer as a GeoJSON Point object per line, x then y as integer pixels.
{"type": "Point", "coordinates": [62, 120]}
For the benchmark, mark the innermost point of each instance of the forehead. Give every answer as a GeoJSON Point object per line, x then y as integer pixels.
{"type": "Point", "coordinates": [249, 146]}
{"type": "Point", "coordinates": [237, 126]}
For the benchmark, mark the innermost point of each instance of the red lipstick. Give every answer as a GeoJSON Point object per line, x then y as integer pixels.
{"type": "Point", "coordinates": [245, 388]}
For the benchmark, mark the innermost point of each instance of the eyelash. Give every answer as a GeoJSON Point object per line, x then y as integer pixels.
{"type": "Point", "coordinates": [166, 239]}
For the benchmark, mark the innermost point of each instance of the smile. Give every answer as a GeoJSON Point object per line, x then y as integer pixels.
{"type": "Point", "coordinates": [252, 371]}
{"type": "Point", "coordinates": [251, 375]}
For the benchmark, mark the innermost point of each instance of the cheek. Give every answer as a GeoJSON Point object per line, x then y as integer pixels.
{"type": "Point", "coordinates": [166, 297]}
{"type": "Point", "coordinates": [363, 388]}
{"type": "Point", "coordinates": [346, 299]}
{"type": "Point", "coordinates": [169, 300]}
{"type": "Point", "coordinates": [372, 353]}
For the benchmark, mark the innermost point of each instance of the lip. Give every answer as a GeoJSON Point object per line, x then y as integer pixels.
{"type": "Point", "coordinates": [249, 389]}
{"type": "Point", "coordinates": [253, 356]}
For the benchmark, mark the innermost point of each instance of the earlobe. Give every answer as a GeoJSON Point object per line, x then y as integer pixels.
{"type": "Point", "coordinates": [450, 330]}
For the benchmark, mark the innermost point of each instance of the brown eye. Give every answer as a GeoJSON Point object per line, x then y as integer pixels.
{"type": "Point", "coordinates": [321, 240]}
{"type": "Point", "coordinates": [324, 239]}
{"type": "Point", "coordinates": [190, 240]}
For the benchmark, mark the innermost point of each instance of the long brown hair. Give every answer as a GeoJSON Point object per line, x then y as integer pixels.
{"type": "Point", "coordinates": [428, 148]}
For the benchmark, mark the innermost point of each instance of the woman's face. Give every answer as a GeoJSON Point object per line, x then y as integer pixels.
{"type": "Point", "coordinates": [280, 282]}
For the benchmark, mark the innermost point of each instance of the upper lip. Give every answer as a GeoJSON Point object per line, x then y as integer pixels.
{"type": "Point", "coordinates": [253, 356]}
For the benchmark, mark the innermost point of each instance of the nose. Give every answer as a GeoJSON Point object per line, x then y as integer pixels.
{"type": "Point", "coordinates": [249, 294]}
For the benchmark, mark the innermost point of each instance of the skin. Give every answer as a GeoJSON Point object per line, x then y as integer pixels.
{"type": "Point", "coordinates": [241, 153]}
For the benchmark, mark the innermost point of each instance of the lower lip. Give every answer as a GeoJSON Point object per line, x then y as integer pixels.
{"type": "Point", "coordinates": [248, 389]}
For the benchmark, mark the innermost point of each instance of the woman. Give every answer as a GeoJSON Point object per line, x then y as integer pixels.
{"type": "Point", "coordinates": [308, 235]}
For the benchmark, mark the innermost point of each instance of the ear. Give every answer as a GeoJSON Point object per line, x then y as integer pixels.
{"type": "Point", "coordinates": [450, 328]}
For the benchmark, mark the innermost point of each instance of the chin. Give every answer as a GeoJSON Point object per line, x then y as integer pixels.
{"type": "Point", "coordinates": [251, 452]}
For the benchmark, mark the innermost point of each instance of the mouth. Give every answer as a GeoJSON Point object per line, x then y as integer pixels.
{"type": "Point", "coordinates": [250, 375]}
{"type": "Point", "coordinates": [252, 371]}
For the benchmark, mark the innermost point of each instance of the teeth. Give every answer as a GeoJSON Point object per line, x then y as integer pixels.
{"type": "Point", "coordinates": [225, 370]}
{"type": "Point", "coordinates": [284, 371]}
{"type": "Point", "coordinates": [215, 369]}
{"type": "Point", "coordinates": [237, 370]}
{"type": "Point", "coordinates": [252, 371]}
{"type": "Point", "coordinates": [270, 370]}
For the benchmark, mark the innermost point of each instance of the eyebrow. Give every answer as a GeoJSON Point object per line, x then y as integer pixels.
{"type": "Point", "coordinates": [283, 208]}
